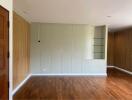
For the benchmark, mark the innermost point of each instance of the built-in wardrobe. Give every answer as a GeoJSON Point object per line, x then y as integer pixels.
{"type": "Point", "coordinates": [68, 49]}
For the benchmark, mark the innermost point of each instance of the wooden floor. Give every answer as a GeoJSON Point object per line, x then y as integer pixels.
{"type": "Point", "coordinates": [117, 86]}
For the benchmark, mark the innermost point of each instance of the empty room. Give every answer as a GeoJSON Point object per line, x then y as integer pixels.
{"type": "Point", "coordinates": [65, 50]}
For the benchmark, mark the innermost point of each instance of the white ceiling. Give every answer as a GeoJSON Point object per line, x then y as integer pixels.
{"type": "Point", "coordinates": [93, 12]}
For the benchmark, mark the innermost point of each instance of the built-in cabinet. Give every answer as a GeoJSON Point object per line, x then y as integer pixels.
{"type": "Point", "coordinates": [68, 49]}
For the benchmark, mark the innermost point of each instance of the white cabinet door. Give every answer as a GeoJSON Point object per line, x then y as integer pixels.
{"type": "Point", "coordinates": [94, 67]}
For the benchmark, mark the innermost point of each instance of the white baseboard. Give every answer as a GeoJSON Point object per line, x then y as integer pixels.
{"type": "Point", "coordinates": [123, 70]}
{"type": "Point", "coordinates": [97, 74]}
{"type": "Point", "coordinates": [21, 84]}
{"type": "Point", "coordinates": [110, 66]}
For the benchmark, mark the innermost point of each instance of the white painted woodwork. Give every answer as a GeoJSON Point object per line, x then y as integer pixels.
{"type": "Point", "coordinates": [64, 49]}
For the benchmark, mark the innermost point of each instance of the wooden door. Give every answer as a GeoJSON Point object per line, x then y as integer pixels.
{"type": "Point", "coordinates": [4, 25]}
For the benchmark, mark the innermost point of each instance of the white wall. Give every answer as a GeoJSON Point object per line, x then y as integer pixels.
{"type": "Point", "coordinates": [64, 49]}
{"type": "Point", "coordinates": [8, 5]}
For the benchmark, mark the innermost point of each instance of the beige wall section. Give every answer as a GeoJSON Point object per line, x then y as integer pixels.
{"type": "Point", "coordinates": [21, 49]}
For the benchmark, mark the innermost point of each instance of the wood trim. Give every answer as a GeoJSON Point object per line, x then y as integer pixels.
{"type": "Point", "coordinates": [120, 49]}
{"type": "Point", "coordinates": [110, 51]}
{"type": "Point", "coordinates": [21, 49]}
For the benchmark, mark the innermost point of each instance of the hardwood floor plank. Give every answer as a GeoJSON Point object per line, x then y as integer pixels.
{"type": "Point", "coordinates": [116, 86]}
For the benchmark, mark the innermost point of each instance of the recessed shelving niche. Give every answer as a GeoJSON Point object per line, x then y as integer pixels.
{"type": "Point", "coordinates": [99, 42]}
